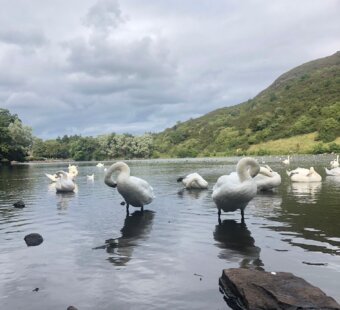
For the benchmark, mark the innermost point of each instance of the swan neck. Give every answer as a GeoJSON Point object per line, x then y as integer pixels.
{"type": "Point", "coordinates": [121, 168]}
{"type": "Point", "coordinates": [247, 168]}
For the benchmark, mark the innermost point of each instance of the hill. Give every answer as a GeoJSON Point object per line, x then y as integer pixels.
{"type": "Point", "coordinates": [301, 101]}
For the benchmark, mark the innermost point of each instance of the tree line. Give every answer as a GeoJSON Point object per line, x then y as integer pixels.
{"type": "Point", "coordinates": [17, 143]}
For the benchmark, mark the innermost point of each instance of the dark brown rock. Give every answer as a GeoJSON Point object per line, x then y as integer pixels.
{"type": "Point", "coordinates": [253, 289]}
{"type": "Point", "coordinates": [33, 239]}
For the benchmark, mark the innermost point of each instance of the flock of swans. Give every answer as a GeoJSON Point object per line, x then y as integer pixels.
{"type": "Point", "coordinates": [230, 192]}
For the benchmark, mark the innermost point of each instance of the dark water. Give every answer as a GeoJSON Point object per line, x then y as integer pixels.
{"type": "Point", "coordinates": [171, 256]}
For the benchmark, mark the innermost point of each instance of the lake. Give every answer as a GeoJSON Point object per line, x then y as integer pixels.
{"type": "Point", "coordinates": [172, 255]}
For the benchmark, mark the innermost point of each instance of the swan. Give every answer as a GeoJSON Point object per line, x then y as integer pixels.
{"type": "Point", "coordinates": [334, 171]}
{"type": "Point", "coordinates": [304, 175]}
{"type": "Point", "coordinates": [65, 182]}
{"type": "Point", "coordinates": [99, 165]}
{"type": "Point", "coordinates": [72, 171]}
{"type": "Point", "coordinates": [234, 191]}
{"type": "Point", "coordinates": [267, 179]}
{"type": "Point", "coordinates": [90, 177]}
{"type": "Point", "coordinates": [52, 177]}
{"type": "Point", "coordinates": [193, 181]}
{"type": "Point", "coordinates": [135, 191]}
{"type": "Point", "coordinates": [335, 162]}
{"type": "Point", "coordinates": [287, 161]}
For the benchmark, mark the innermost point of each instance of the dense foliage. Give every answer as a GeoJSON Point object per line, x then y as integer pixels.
{"type": "Point", "coordinates": [15, 138]}
{"type": "Point", "coordinates": [303, 100]}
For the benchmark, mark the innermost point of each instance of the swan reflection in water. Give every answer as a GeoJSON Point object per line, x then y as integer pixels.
{"type": "Point", "coordinates": [237, 244]}
{"type": "Point", "coordinates": [192, 193]}
{"type": "Point", "coordinates": [63, 200]}
{"type": "Point", "coordinates": [305, 192]}
{"type": "Point", "coordinates": [137, 226]}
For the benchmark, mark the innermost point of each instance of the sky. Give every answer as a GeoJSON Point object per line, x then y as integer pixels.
{"type": "Point", "coordinates": [91, 67]}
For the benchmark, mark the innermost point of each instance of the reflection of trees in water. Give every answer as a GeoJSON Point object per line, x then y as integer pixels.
{"type": "Point", "coordinates": [137, 226]}
{"type": "Point", "coordinates": [305, 192]}
{"type": "Point", "coordinates": [237, 244]}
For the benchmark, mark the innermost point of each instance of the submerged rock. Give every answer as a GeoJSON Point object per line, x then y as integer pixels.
{"type": "Point", "coordinates": [19, 204]}
{"type": "Point", "coordinates": [71, 308]}
{"type": "Point", "coordinates": [253, 289]}
{"type": "Point", "coordinates": [33, 239]}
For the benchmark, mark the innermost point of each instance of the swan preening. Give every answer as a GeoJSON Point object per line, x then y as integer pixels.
{"type": "Point", "coordinates": [64, 182]}
{"type": "Point", "coordinates": [304, 175]}
{"type": "Point", "coordinates": [72, 173]}
{"type": "Point", "coordinates": [335, 163]}
{"type": "Point", "coordinates": [135, 191]}
{"type": "Point", "coordinates": [234, 191]}
{"type": "Point", "coordinates": [267, 179]}
{"type": "Point", "coordinates": [193, 181]}
{"type": "Point", "coordinates": [100, 165]}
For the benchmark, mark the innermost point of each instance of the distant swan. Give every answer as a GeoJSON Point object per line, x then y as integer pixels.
{"type": "Point", "coordinates": [90, 177]}
{"type": "Point", "coordinates": [334, 171]}
{"type": "Point", "coordinates": [335, 162]}
{"type": "Point", "coordinates": [65, 182]}
{"type": "Point", "coordinates": [232, 192]}
{"type": "Point", "coordinates": [304, 175]}
{"type": "Point", "coordinates": [287, 161]}
{"type": "Point", "coordinates": [267, 179]}
{"type": "Point", "coordinates": [193, 181]}
{"type": "Point", "coordinates": [135, 191]}
{"type": "Point", "coordinates": [99, 165]}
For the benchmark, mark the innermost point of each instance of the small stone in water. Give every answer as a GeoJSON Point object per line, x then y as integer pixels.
{"type": "Point", "coordinates": [19, 204]}
{"type": "Point", "coordinates": [71, 308]}
{"type": "Point", "coordinates": [33, 239]}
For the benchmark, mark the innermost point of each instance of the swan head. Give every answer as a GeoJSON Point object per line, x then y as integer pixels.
{"type": "Point", "coordinates": [266, 170]}
{"type": "Point", "coordinates": [62, 174]}
{"type": "Point", "coordinates": [118, 167]}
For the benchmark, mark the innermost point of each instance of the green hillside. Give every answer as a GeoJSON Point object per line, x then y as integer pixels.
{"type": "Point", "coordinates": [304, 100]}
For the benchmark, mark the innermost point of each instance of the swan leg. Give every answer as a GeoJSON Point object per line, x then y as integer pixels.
{"type": "Point", "coordinates": [127, 208]}
{"type": "Point", "coordinates": [142, 208]}
{"type": "Point", "coordinates": [219, 215]}
{"type": "Point", "coordinates": [242, 215]}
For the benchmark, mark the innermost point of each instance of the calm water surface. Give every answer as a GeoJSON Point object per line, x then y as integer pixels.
{"type": "Point", "coordinates": [169, 257]}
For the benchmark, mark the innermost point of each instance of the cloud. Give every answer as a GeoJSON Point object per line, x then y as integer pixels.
{"type": "Point", "coordinates": [92, 67]}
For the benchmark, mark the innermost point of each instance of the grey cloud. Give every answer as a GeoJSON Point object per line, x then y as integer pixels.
{"type": "Point", "coordinates": [23, 37]}
{"type": "Point", "coordinates": [104, 15]}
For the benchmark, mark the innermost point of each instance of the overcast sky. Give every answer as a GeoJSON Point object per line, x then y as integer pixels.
{"type": "Point", "coordinates": [91, 67]}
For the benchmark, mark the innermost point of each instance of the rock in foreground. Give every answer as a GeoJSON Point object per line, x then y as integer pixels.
{"type": "Point", "coordinates": [253, 289]}
{"type": "Point", "coordinates": [33, 239]}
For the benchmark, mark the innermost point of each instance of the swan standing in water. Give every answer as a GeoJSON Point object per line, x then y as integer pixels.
{"type": "Point", "coordinates": [232, 192]}
{"type": "Point", "coordinates": [287, 161]}
{"type": "Point", "coordinates": [267, 179]}
{"type": "Point", "coordinates": [304, 175]}
{"type": "Point", "coordinates": [335, 162]}
{"type": "Point", "coordinates": [64, 182]}
{"type": "Point", "coordinates": [135, 191]}
{"type": "Point", "coordinates": [193, 181]}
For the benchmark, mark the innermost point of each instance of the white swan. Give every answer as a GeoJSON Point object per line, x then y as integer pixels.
{"type": "Point", "coordinates": [334, 171]}
{"type": "Point", "coordinates": [135, 191]}
{"type": "Point", "coordinates": [52, 177]}
{"type": "Point", "coordinates": [99, 165]}
{"type": "Point", "coordinates": [72, 171]}
{"type": "Point", "coordinates": [193, 181]}
{"type": "Point", "coordinates": [335, 162]}
{"type": "Point", "coordinates": [90, 177]}
{"type": "Point", "coordinates": [267, 179]}
{"type": "Point", "coordinates": [304, 175]}
{"type": "Point", "coordinates": [287, 161]}
{"type": "Point", "coordinates": [232, 192]}
{"type": "Point", "coordinates": [65, 182]}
